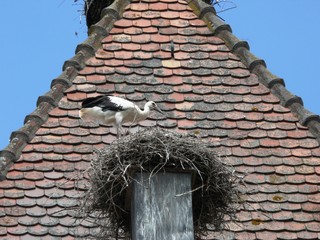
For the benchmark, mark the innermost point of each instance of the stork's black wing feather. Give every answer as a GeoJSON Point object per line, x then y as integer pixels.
{"type": "Point", "coordinates": [104, 102]}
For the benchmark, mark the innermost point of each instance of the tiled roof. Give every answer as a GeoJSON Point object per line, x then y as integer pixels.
{"type": "Point", "coordinates": [213, 86]}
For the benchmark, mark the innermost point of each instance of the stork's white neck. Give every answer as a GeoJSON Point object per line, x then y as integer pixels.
{"type": "Point", "coordinates": [142, 114]}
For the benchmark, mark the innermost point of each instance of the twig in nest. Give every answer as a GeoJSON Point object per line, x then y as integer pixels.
{"type": "Point", "coordinates": [191, 191]}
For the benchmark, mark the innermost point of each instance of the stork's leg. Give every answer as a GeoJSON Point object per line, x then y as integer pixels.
{"type": "Point", "coordinates": [118, 132]}
{"type": "Point", "coordinates": [118, 118]}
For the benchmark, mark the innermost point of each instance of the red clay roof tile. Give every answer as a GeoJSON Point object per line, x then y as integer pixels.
{"type": "Point", "coordinates": [307, 235]}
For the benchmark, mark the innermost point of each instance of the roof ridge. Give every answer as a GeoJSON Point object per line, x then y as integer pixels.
{"type": "Point", "coordinates": [45, 103]}
{"type": "Point", "coordinates": [257, 66]}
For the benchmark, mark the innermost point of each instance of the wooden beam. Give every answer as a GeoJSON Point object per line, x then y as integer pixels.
{"type": "Point", "coordinates": [161, 207]}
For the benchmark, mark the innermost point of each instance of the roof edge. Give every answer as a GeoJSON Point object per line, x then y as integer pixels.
{"type": "Point", "coordinates": [257, 66]}
{"type": "Point", "coordinates": [45, 103]}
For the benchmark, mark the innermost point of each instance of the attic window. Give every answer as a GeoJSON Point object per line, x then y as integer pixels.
{"type": "Point", "coordinates": [161, 206]}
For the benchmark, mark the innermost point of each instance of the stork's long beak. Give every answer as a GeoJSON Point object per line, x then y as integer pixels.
{"type": "Point", "coordinates": [159, 110]}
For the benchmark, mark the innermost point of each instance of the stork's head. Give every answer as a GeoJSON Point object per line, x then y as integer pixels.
{"type": "Point", "coordinates": [153, 106]}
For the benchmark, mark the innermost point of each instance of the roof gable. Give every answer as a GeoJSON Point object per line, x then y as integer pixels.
{"type": "Point", "coordinates": [184, 58]}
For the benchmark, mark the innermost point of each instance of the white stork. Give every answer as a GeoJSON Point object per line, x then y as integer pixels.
{"type": "Point", "coordinates": [114, 110]}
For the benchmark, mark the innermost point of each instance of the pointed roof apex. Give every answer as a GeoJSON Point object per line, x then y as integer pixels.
{"type": "Point", "coordinates": [94, 8]}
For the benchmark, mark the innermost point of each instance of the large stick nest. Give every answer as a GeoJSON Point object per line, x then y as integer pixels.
{"type": "Point", "coordinates": [215, 193]}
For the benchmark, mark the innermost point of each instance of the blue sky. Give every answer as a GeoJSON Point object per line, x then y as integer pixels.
{"type": "Point", "coordinates": [38, 36]}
